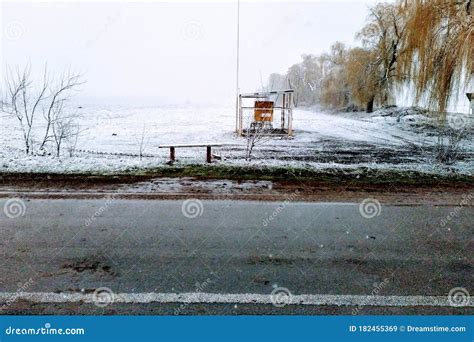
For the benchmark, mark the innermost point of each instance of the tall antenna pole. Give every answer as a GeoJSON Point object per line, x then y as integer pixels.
{"type": "Point", "coordinates": [237, 70]}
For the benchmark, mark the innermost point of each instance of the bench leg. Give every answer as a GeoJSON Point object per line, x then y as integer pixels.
{"type": "Point", "coordinates": [209, 155]}
{"type": "Point", "coordinates": [172, 154]}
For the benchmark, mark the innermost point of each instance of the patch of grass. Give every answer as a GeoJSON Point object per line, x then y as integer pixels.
{"type": "Point", "coordinates": [307, 175]}
{"type": "Point", "coordinates": [283, 174]}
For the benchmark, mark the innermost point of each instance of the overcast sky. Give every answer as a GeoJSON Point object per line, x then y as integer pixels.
{"type": "Point", "coordinates": [161, 52]}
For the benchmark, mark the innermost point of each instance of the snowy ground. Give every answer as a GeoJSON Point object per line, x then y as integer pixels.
{"type": "Point", "coordinates": [388, 139]}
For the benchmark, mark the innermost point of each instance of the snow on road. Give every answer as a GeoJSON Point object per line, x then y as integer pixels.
{"type": "Point", "coordinates": [322, 140]}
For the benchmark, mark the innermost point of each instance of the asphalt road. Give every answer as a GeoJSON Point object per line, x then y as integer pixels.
{"type": "Point", "coordinates": [72, 247]}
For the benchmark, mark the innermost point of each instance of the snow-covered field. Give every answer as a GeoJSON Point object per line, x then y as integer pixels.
{"type": "Point", "coordinates": [388, 139]}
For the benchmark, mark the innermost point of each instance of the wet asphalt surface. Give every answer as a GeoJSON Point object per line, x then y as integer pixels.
{"type": "Point", "coordinates": [133, 246]}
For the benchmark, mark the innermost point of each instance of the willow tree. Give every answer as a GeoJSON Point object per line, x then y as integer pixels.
{"type": "Point", "coordinates": [335, 91]}
{"type": "Point", "coordinates": [382, 35]}
{"type": "Point", "coordinates": [363, 77]}
{"type": "Point", "coordinates": [438, 48]}
{"type": "Point", "coordinates": [295, 77]}
{"type": "Point", "coordinates": [304, 77]}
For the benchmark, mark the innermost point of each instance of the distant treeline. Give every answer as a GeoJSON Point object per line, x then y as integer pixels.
{"type": "Point", "coordinates": [427, 43]}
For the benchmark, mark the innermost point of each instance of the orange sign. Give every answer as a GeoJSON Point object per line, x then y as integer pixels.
{"type": "Point", "coordinates": [263, 111]}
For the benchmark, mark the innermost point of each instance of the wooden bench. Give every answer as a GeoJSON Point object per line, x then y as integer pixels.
{"type": "Point", "coordinates": [207, 146]}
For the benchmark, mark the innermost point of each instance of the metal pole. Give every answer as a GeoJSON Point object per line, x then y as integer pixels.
{"type": "Point", "coordinates": [290, 115]}
{"type": "Point", "coordinates": [240, 123]}
{"type": "Point", "coordinates": [283, 112]}
{"type": "Point", "coordinates": [208, 154]}
{"type": "Point", "coordinates": [237, 71]}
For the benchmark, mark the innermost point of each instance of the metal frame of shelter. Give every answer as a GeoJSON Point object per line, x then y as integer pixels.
{"type": "Point", "coordinates": [470, 95]}
{"type": "Point", "coordinates": [264, 109]}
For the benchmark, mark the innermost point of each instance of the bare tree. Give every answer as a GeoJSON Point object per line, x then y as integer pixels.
{"type": "Point", "coordinates": [256, 134]}
{"type": "Point", "coordinates": [59, 95]}
{"type": "Point", "coordinates": [21, 101]}
{"type": "Point", "coordinates": [71, 141]}
{"type": "Point", "coordinates": [142, 142]}
{"type": "Point", "coordinates": [64, 130]}
{"type": "Point", "coordinates": [450, 144]}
